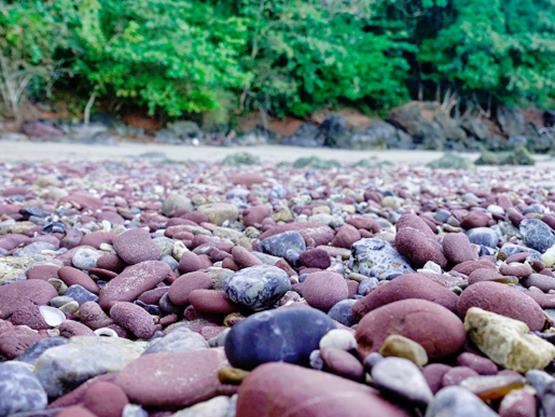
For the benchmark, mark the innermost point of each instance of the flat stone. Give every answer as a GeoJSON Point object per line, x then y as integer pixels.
{"type": "Point", "coordinates": [458, 402]}
{"type": "Point", "coordinates": [437, 329]}
{"type": "Point", "coordinates": [284, 390]}
{"type": "Point", "coordinates": [64, 367]}
{"type": "Point", "coordinates": [135, 246]}
{"type": "Point", "coordinates": [181, 339]}
{"type": "Point", "coordinates": [133, 281]}
{"type": "Point", "coordinates": [172, 379]}
{"type": "Point", "coordinates": [133, 318]}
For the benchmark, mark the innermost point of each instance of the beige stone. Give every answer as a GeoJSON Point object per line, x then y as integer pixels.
{"type": "Point", "coordinates": [218, 213]}
{"type": "Point", "coordinates": [403, 347]}
{"type": "Point", "coordinates": [506, 341]}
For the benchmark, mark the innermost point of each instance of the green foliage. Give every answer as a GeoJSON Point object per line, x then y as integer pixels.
{"type": "Point", "coordinates": [306, 56]}
{"type": "Point", "coordinates": [450, 161]}
{"type": "Point", "coordinates": [519, 156]}
{"type": "Point", "coordinates": [170, 55]}
{"type": "Point", "coordinates": [501, 47]}
{"type": "Point", "coordinates": [241, 158]}
{"type": "Point", "coordinates": [178, 58]}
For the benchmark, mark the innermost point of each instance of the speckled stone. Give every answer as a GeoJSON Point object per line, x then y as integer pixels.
{"type": "Point", "coordinates": [20, 390]}
{"type": "Point", "coordinates": [375, 257]}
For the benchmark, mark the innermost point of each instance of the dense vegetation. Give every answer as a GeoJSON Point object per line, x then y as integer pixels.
{"type": "Point", "coordinates": [178, 57]}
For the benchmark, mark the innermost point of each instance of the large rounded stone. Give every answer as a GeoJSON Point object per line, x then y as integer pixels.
{"type": "Point", "coordinates": [181, 288]}
{"type": "Point", "coordinates": [504, 300]}
{"type": "Point", "coordinates": [134, 246]}
{"type": "Point", "coordinates": [287, 334]}
{"type": "Point", "coordinates": [20, 390]}
{"type": "Point", "coordinates": [419, 248]}
{"type": "Point", "coordinates": [73, 276]}
{"type": "Point", "coordinates": [133, 318]}
{"type": "Point", "coordinates": [218, 213]}
{"type": "Point", "coordinates": [133, 281]}
{"type": "Point", "coordinates": [171, 379]}
{"type": "Point", "coordinates": [257, 287]}
{"type": "Point", "coordinates": [181, 339]}
{"type": "Point", "coordinates": [403, 287]}
{"type": "Point", "coordinates": [324, 289]}
{"type": "Point", "coordinates": [12, 296]}
{"type": "Point", "coordinates": [283, 390]}
{"type": "Point", "coordinates": [457, 248]}
{"type": "Point", "coordinates": [437, 329]}
{"type": "Point", "coordinates": [62, 368]}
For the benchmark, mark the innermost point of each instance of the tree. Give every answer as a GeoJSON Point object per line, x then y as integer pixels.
{"type": "Point", "coordinates": [30, 35]}
{"type": "Point", "coordinates": [176, 56]}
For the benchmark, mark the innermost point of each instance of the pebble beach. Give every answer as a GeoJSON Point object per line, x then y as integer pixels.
{"type": "Point", "coordinates": [147, 286]}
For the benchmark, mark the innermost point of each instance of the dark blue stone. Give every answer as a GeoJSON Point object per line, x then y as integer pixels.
{"type": "Point", "coordinates": [80, 294]}
{"type": "Point", "coordinates": [287, 334]}
{"type": "Point", "coordinates": [343, 312]}
{"type": "Point", "coordinates": [367, 285]}
{"type": "Point", "coordinates": [55, 227]}
{"type": "Point", "coordinates": [150, 308]}
{"type": "Point", "coordinates": [33, 352]}
{"type": "Point", "coordinates": [33, 212]}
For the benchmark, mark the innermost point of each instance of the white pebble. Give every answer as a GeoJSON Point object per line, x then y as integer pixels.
{"type": "Point", "coordinates": [339, 339]}
{"type": "Point", "coordinates": [52, 316]}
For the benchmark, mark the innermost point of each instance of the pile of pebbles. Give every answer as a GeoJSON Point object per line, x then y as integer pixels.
{"type": "Point", "coordinates": [142, 289]}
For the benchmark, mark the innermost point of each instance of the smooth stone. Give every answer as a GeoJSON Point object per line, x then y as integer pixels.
{"type": "Point", "coordinates": [64, 367]}
{"type": "Point", "coordinates": [133, 281]}
{"type": "Point", "coordinates": [174, 203]}
{"type": "Point", "coordinates": [20, 391]}
{"type": "Point", "coordinates": [322, 290]}
{"type": "Point", "coordinates": [342, 312]}
{"type": "Point", "coordinates": [85, 258]}
{"type": "Point", "coordinates": [135, 246]}
{"type": "Point", "coordinates": [133, 318]}
{"type": "Point", "coordinates": [345, 236]}
{"type": "Point", "coordinates": [315, 258]}
{"type": "Point", "coordinates": [105, 399]}
{"type": "Point", "coordinates": [543, 282]}
{"type": "Point", "coordinates": [519, 403]}
{"type": "Point", "coordinates": [342, 363]}
{"type": "Point", "coordinates": [419, 248]}
{"type": "Point", "coordinates": [403, 379]}
{"type": "Point", "coordinates": [13, 295]}
{"type": "Point", "coordinates": [218, 213]}
{"type": "Point", "coordinates": [181, 339]}
{"type": "Point", "coordinates": [458, 402]}
{"type": "Point", "coordinates": [338, 339]}
{"type": "Point", "coordinates": [483, 236]}
{"type": "Point", "coordinates": [33, 352]}
{"type": "Point", "coordinates": [456, 375]}
{"type": "Point", "coordinates": [257, 287]}
{"type": "Point", "coordinates": [80, 294]}
{"type": "Point", "coordinates": [14, 341]}
{"type": "Point", "coordinates": [92, 315]}
{"type": "Point", "coordinates": [180, 289]}
{"type": "Point", "coordinates": [288, 334]}
{"type": "Point", "coordinates": [536, 234]}
{"type": "Point", "coordinates": [43, 272]}
{"type": "Point", "coordinates": [457, 248]}
{"type": "Point", "coordinates": [404, 287]}
{"type": "Point", "coordinates": [434, 374]}
{"type": "Point", "coordinates": [483, 366]}
{"type": "Point", "coordinates": [516, 269]}
{"type": "Point", "coordinates": [211, 302]}
{"type": "Point", "coordinates": [403, 347]}
{"type": "Point", "coordinates": [220, 406]}
{"type": "Point", "coordinates": [439, 331]}
{"type": "Point", "coordinates": [70, 328]}
{"type": "Point", "coordinates": [284, 390]}
{"type": "Point", "coordinates": [493, 387]}
{"type": "Point", "coordinates": [502, 299]}
{"type": "Point", "coordinates": [506, 341]}
{"type": "Point", "coordinates": [539, 380]}
{"type": "Point", "coordinates": [288, 245]}
{"type": "Point", "coordinates": [375, 257]}
{"type": "Point", "coordinates": [71, 276]}
{"type": "Point", "coordinates": [172, 379]}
